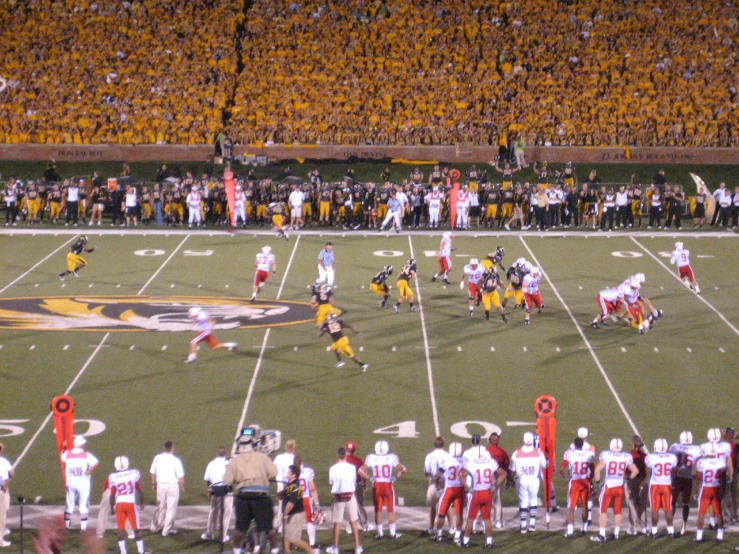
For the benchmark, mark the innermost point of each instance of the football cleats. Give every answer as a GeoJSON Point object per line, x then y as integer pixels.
{"type": "Point", "coordinates": [455, 449]}
{"type": "Point", "coordinates": [474, 262]}
{"type": "Point", "coordinates": [678, 246]}
{"type": "Point", "coordinates": [714, 435]}
{"type": "Point", "coordinates": [535, 271]}
{"type": "Point", "coordinates": [528, 439]}
{"type": "Point", "coordinates": [500, 251]}
{"type": "Point", "coordinates": [121, 463]}
{"type": "Point", "coordinates": [351, 446]}
{"type": "Point", "coordinates": [266, 249]}
{"type": "Point", "coordinates": [616, 445]}
{"type": "Point", "coordinates": [381, 448]}
{"type": "Point", "coordinates": [318, 517]}
{"type": "Point", "coordinates": [193, 313]}
{"type": "Point", "coordinates": [660, 446]}
{"type": "Point", "coordinates": [582, 432]}
{"type": "Point", "coordinates": [686, 437]}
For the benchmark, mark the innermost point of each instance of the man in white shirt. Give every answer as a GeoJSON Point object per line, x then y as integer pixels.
{"type": "Point", "coordinates": [283, 462]}
{"type": "Point", "coordinates": [79, 465]}
{"type": "Point", "coordinates": [343, 479]}
{"type": "Point", "coordinates": [168, 481]}
{"type": "Point", "coordinates": [6, 475]}
{"type": "Point", "coordinates": [217, 520]}
{"type": "Point", "coordinates": [73, 201]}
{"type": "Point", "coordinates": [295, 200]}
{"type": "Point", "coordinates": [528, 463]}
{"type": "Point", "coordinates": [434, 460]}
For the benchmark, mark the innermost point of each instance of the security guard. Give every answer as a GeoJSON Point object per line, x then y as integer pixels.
{"type": "Point", "coordinates": [249, 474]}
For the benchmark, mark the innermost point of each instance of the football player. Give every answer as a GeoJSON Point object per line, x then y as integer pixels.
{"type": "Point", "coordinates": [264, 262]}
{"type": "Point", "coordinates": [204, 325]}
{"type": "Point", "coordinates": [407, 274]}
{"type": "Point", "coordinates": [322, 303]}
{"type": "Point", "coordinates": [681, 257]}
{"type": "Point", "coordinates": [453, 494]}
{"type": "Point", "coordinates": [125, 491]}
{"type": "Point", "coordinates": [75, 261]}
{"type": "Point", "coordinates": [489, 286]}
{"type": "Point", "coordinates": [711, 468]}
{"type": "Point", "coordinates": [515, 275]}
{"type": "Point", "coordinates": [484, 474]}
{"type": "Point", "coordinates": [531, 294]}
{"type": "Point", "coordinates": [445, 257]}
{"type": "Point", "coordinates": [495, 258]}
{"type": "Point", "coordinates": [275, 210]}
{"type": "Point", "coordinates": [311, 504]}
{"type": "Point", "coordinates": [386, 469]}
{"type": "Point", "coordinates": [687, 454]}
{"type": "Point", "coordinates": [379, 284]}
{"type": "Point", "coordinates": [580, 462]}
{"type": "Point", "coordinates": [528, 463]}
{"type": "Point", "coordinates": [610, 302]}
{"type": "Point", "coordinates": [473, 272]}
{"type": "Point", "coordinates": [615, 462]}
{"type": "Point", "coordinates": [661, 466]}
{"type": "Point", "coordinates": [334, 327]}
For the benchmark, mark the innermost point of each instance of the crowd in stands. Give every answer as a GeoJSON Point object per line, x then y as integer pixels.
{"type": "Point", "coordinates": [582, 72]}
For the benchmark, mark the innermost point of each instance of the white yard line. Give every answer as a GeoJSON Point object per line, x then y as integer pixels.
{"type": "Point", "coordinates": [585, 340]}
{"type": "Point", "coordinates": [429, 371]}
{"type": "Point", "coordinates": [69, 389]}
{"type": "Point", "coordinates": [698, 296]}
{"type": "Point", "coordinates": [249, 393]}
{"type": "Point", "coordinates": [6, 287]}
{"type": "Point", "coordinates": [162, 266]}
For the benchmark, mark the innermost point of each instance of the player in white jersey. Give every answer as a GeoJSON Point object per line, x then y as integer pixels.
{"type": "Point", "coordinates": [527, 463]}
{"type": "Point", "coordinates": [484, 474]}
{"type": "Point", "coordinates": [126, 499]}
{"type": "Point", "coordinates": [386, 469]}
{"type": "Point", "coordinates": [616, 465]}
{"type": "Point", "coordinates": [582, 432]}
{"type": "Point", "coordinates": [78, 466]}
{"type": "Point", "coordinates": [282, 463]}
{"type": "Point", "coordinates": [681, 258]}
{"type": "Point", "coordinates": [311, 504]}
{"type": "Point", "coordinates": [710, 470]}
{"type": "Point", "coordinates": [264, 262]}
{"type": "Point", "coordinates": [434, 201]}
{"type": "Point", "coordinates": [445, 258]}
{"type": "Point", "coordinates": [579, 461]}
{"type": "Point", "coordinates": [434, 460]}
{"type": "Point", "coordinates": [204, 325]}
{"type": "Point", "coordinates": [610, 302]}
{"type": "Point", "coordinates": [721, 449]}
{"type": "Point", "coordinates": [661, 467]}
{"type": "Point", "coordinates": [687, 455]}
{"type": "Point", "coordinates": [473, 273]}
{"type": "Point", "coordinates": [463, 207]}
{"type": "Point", "coordinates": [193, 206]}
{"type": "Point", "coordinates": [531, 295]}
{"type": "Point", "coordinates": [453, 495]}
{"type": "Point", "coordinates": [240, 206]}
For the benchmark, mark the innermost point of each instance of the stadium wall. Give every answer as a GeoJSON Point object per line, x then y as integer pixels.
{"type": "Point", "coordinates": [448, 154]}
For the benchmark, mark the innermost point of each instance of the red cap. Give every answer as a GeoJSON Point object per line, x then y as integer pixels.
{"type": "Point", "coordinates": [351, 446]}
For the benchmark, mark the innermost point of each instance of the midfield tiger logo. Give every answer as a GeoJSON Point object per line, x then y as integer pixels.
{"type": "Point", "coordinates": [145, 313]}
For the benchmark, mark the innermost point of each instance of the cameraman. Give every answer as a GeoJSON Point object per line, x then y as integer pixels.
{"type": "Point", "coordinates": [249, 474]}
{"type": "Point", "coordinates": [217, 494]}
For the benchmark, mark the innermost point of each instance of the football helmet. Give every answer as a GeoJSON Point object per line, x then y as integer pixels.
{"type": "Point", "coordinates": [317, 517]}
{"type": "Point", "coordinates": [412, 262]}
{"type": "Point", "coordinates": [616, 445]}
{"type": "Point", "coordinates": [388, 269]}
{"type": "Point", "coordinates": [714, 435]}
{"type": "Point", "coordinates": [582, 432]}
{"type": "Point", "coordinates": [266, 249]}
{"type": "Point", "coordinates": [79, 441]}
{"type": "Point", "coordinates": [351, 446]}
{"type": "Point", "coordinates": [194, 313]}
{"type": "Point", "coordinates": [121, 463]}
{"type": "Point", "coordinates": [84, 238]}
{"type": "Point", "coordinates": [528, 439]}
{"type": "Point", "coordinates": [446, 234]}
{"type": "Point", "coordinates": [660, 446]}
{"type": "Point", "coordinates": [520, 261]}
{"type": "Point", "coordinates": [474, 262]}
{"type": "Point", "coordinates": [381, 448]}
{"type": "Point", "coordinates": [500, 251]}
{"type": "Point", "coordinates": [678, 246]}
{"type": "Point", "coordinates": [686, 437]}
{"type": "Point", "coordinates": [455, 449]}
{"type": "Point", "coordinates": [331, 318]}
{"type": "Point", "coordinates": [535, 271]}
{"type": "Point", "coordinates": [640, 278]}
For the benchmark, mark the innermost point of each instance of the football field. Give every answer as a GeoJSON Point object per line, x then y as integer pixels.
{"type": "Point", "coordinates": [115, 340]}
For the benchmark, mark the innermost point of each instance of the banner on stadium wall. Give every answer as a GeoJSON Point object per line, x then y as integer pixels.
{"type": "Point", "coordinates": [546, 431]}
{"type": "Point", "coordinates": [63, 409]}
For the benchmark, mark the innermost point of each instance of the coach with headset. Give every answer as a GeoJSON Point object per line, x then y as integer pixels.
{"type": "Point", "coordinates": [249, 474]}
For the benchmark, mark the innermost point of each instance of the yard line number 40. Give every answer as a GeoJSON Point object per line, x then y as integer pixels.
{"type": "Point", "coordinates": [407, 429]}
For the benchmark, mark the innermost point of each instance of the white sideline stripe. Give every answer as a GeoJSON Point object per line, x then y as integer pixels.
{"type": "Point", "coordinates": [6, 287]}
{"type": "Point", "coordinates": [69, 389]}
{"type": "Point", "coordinates": [585, 340]}
{"type": "Point", "coordinates": [699, 297]}
{"type": "Point", "coordinates": [429, 371]}
{"type": "Point", "coordinates": [253, 382]}
{"type": "Point", "coordinates": [158, 271]}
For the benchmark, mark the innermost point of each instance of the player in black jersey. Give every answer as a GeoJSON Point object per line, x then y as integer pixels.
{"type": "Point", "coordinates": [334, 327]}
{"type": "Point", "coordinates": [407, 274]}
{"type": "Point", "coordinates": [75, 261]}
{"type": "Point", "coordinates": [379, 284]}
{"type": "Point", "coordinates": [489, 285]}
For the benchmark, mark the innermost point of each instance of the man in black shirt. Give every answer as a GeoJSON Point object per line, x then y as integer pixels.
{"type": "Point", "coordinates": [292, 512]}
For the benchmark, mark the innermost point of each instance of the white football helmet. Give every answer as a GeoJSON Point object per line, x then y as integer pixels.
{"type": "Point", "coordinates": [582, 432]}
{"type": "Point", "coordinates": [714, 435]}
{"type": "Point", "coordinates": [710, 449]}
{"type": "Point", "coordinates": [266, 249]}
{"type": "Point", "coordinates": [455, 449]}
{"type": "Point", "coordinates": [121, 463]}
{"type": "Point", "coordinates": [381, 448]}
{"type": "Point", "coordinates": [446, 235]}
{"type": "Point", "coordinates": [686, 437]}
{"type": "Point", "coordinates": [678, 246]}
{"type": "Point", "coordinates": [640, 278]}
{"type": "Point", "coordinates": [528, 439]}
{"type": "Point", "coordinates": [474, 261]}
{"type": "Point", "coordinates": [535, 271]}
{"type": "Point", "coordinates": [660, 446]}
{"type": "Point", "coordinates": [520, 261]}
{"type": "Point", "coordinates": [616, 445]}
{"type": "Point", "coordinates": [194, 313]}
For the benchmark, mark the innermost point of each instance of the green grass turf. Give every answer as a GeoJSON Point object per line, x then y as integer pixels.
{"type": "Point", "coordinates": [370, 171]}
{"type": "Point", "coordinates": [146, 395]}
